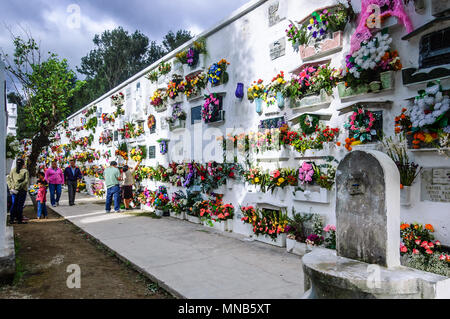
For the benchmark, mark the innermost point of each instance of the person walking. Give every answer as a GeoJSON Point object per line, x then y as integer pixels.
{"type": "Point", "coordinates": [17, 181]}
{"type": "Point", "coordinates": [41, 196]}
{"type": "Point", "coordinates": [55, 179]}
{"type": "Point", "coordinates": [72, 175]}
{"type": "Point", "coordinates": [127, 186]}
{"type": "Point", "coordinates": [112, 182]}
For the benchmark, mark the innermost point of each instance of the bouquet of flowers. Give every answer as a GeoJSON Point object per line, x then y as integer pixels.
{"type": "Point", "coordinates": [164, 68]}
{"type": "Point", "coordinates": [195, 84]}
{"type": "Point", "coordinates": [177, 114]}
{"type": "Point", "coordinates": [210, 107]}
{"type": "Point", "coordinates": [256, 91]}
{"type": "Point", "coordinates": [118, 99]}
{"type": "Point", "coordinates": [161, 199]}
{"type": "Point", "coordinates": [152, 76]}
{"type": "Point", "coordinates": [138, 153]}
{"type": "Point", "coordinates": [158, 98]}
{"type": "Point", "coordinates": [217, 72]}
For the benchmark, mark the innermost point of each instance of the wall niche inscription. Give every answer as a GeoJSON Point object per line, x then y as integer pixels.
{"type": "Point", "coordinates": [278, 48]}
{"type": "Point", "coordinates": [435, 186]}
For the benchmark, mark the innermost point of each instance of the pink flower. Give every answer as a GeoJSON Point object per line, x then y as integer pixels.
{"type": "Point", "coordinates": [429, 252]}
{"type": "Point", "coordinates": [442, 257]}
{"type": "Point", "coordinates": [417, 241]}
{"type": "Point", "coordinates": [437, 243]}
{"type": "Point", "coordinates": [403, 248]}
{"type": "Point", "coordinates": [415, 251]}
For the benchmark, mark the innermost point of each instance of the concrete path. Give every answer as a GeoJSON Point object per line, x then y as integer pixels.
{"type": "Point", "coordinates": [189, 260]}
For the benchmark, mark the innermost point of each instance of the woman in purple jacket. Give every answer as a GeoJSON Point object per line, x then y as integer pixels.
{"type": "Point", "coordinates": [55, 179]}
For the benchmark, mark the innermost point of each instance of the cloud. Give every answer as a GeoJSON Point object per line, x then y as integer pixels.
{"type": "Point", "coordinates": [52, 21]}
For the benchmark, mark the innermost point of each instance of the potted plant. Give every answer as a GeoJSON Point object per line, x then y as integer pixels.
{"type": "Point", "coordinates": [161, 201]}
{"type": "Point", "coordinates": [175, 89]}
{"type": "Point", "coordinates": [164, 69]}
{"type": "Point", "coordinates": [194, 86]}
{"type": "Point", "coordinates": [275, 90]}
{"type": "Point", "coordinates": [396, 148]}
{"type": "Point", "coordinates": [158, 100]}
{"type": "Point", "coordinates": [179, 205]}
{"type": "Point", "coordinates": [178, 118]}
{"type": "Point", "coordinates": [316, 182]}
{"type": "Point", "coordinates": [297, 233]}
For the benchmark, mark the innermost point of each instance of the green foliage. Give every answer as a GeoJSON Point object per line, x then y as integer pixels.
{"type": "Point", "coordinates": [47, 87]}
{"type": "Point", "coordinates": [297, 225]}
{"type": "Point", "coordinates": [92, 124]}
{"type": "Point", "coordinates": [172, 41]}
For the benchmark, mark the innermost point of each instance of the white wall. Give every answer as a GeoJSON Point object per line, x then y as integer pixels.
{"type": "Point", "coordinates": [245, 44]}
{"type": "Point", "coordinates": [3, 172]}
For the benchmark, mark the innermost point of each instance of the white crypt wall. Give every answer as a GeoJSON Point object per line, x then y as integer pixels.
{"type": "Point", "coordinates": [244, 41]}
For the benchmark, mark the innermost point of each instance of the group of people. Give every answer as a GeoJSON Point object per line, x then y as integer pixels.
{"type": "Point", "coordinates": [119, 184]}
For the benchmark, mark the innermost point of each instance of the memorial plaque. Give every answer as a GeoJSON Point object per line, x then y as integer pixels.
{"type": "Point", "coordinates": [275, 14]}
{"type": "Point", "coordinates": [278, 48]}
{"type": "Point", "coordinates": [435, 186]}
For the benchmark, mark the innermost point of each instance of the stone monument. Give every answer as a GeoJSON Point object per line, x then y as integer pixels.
{"type": "Point", "coordinates": [366, 263]}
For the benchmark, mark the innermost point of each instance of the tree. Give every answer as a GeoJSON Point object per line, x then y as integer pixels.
{"type": "Point", "coordinates": [118, 56]}
{"type": "Point", "coordinates": [45, 88]}
{"type": "Point", "coordinates": [172, 41]}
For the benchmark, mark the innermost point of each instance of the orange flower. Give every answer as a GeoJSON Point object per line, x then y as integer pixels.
{"type": "Point", "coordinates": [429, 227]}
{"type": "Point", "coordinates": [401, 186]}
{"type": "Point", "coordinates": [404, 226]}
{"type": "Point", "coordinates": [338, 143]}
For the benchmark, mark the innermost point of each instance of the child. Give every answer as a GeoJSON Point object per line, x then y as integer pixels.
{"type": "Point", "coordinates": [41, 196]}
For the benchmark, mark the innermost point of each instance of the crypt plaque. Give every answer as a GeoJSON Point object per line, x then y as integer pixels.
{"type": "Point", "coordinates": [278, 48]}
{"type": "Point", "coordinates": [435, 184]}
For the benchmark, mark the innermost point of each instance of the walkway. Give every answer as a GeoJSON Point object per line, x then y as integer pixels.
{"type": "Point", "coordinates": [190, 260]}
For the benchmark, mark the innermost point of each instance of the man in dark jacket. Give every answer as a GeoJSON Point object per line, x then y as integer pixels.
{"type": "Point", "coordinates": [71, 176]}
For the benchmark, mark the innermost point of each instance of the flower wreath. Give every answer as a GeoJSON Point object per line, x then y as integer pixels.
{"type": "Point", "coordinates": [308, 123]}
{"type": "Point", "coordinates": [151, 121]}
{"type": "Point", "coordinates": [360, 125]}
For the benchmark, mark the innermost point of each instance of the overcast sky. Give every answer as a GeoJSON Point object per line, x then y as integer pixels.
{"type": "Point", "coordinates": [54, 22]}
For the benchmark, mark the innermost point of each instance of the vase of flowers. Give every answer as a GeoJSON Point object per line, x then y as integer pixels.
{"type": "Point", "coordinates": [217, 73]}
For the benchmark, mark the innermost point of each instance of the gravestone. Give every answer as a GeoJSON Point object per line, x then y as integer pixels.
{"type": "Point", "coordinates": [274, 13]}
{"type": "Point", "coordinates": [368, 208]}
{"type": "Point", "coordinates": [366, 263]}
{"type": "Point", "coordinates": [435, 184]}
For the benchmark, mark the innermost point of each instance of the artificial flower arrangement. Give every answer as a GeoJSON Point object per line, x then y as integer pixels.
{"type": "Point", "coordinates": [106, 137]}
{"type": "Point", "coordinates": [265, 221]}
{"type": "Point", "coordinates": [211, 107]}
{"type": "Point", "coordinates": [12, 146]}
{"type": "Point", "coordinates": [361, 127]}
{"type": "Point", "coordinates": [138, 153]}
{"type": "Point", "coordinates": [119, 111]}
{"type": "Point", "coordinates": [158, 98]}
{"type": "Point", "coordinates": [320, 25]}
{"type": "Point", "coordinates": [81, 186]}
{"type": "Point", "coordinates": [280, 178]}
{"type": "Point", "coordinates": [163, 147]}
{"type": "Point", "coordinates": [191, 56]}
{"type": "Point", "coordinates": [311, 81]}
{"type": "Point", "coordinates": [195, 84]}
{"type": "Point", "coordinates": [174, 88]}
{"type": "Point", "coordinates": [130, 130]}
{"type": "Point", "coordinates": [256, 90]}
{"type": "Point", "coordinates": [122, 151]}
{"type": "Point", "coordinates": [217, 73]}
{"type": "Point", "coordinates": [91, 124]}
{"type": "Point", "coordinates": [98, 189]}
{"type": "Point", "coordinates": [151, 122]}
{"type": "Point", "coordinates": [152, 76]}
{"type": "Point", "coordinates": [161, 200]}
{"type": "Point", "coordinates": [328, 21]}
{"type": "Point", "coordinates": [179, 202]}
{"type": "Point", "coordinates": [397, 151]}
{"type": "Point", "coordinates": [164, 68]}
{"type": "Point", "coordinates": [421, 251]}
{"type": "Point", "coordinates": [302, 142]}
{"type": "Point", "coordinates": [275, 89]}
{"type": "Point", "coordinates": [311, 173]}
{"type": "Point", "coordinates": [118, 99]}
{"type": "Point", "coordinates": [107, 118]}
{"type": "Point", "coordinates": [427, 119]}
{"type": "Point", "coordinates": [366, 64]}
{"type": "Point", "coordinates": [177, 114]}
{"type": "Point", "coordinates": [90, 111]}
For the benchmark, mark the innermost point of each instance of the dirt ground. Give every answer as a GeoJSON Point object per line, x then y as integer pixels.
{"type": "Point", "coordinates": [44, 249]}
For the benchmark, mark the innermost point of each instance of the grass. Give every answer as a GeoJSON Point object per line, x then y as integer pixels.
{"type": "Point", "coordinates": [20, 269]}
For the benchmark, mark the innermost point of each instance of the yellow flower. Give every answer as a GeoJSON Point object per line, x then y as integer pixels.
{"type": "Point", "coordinates": [428, 138]}
{"type": "Point", "coordinates": [311, 21]}
{"type": "Point", "coordinates": [257, 180]}
{"type": "Point", "coordinates": [281, 180]}
{"type": "Point", "coordinates": [356, 143]}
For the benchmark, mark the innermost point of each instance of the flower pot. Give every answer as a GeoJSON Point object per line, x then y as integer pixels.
{"type": "Point", "coordinates": [219, 225]}
{"type": "Point", "coordinates": [280, 100]}
{"type": "Point", "coordinates": [295, 247]}
{"type": "Point", "coordinates": [178, 216]}
{"type": "Point", "coordinates": [161, 108]}
{"type": "Point", "coordinates": [178, 124]}
{"type": "Point", "coordinates": [229, 183]}
{"type": "Point", "coordinates": [281, 193]}
{"type": "Point", "coordinates": [320, 100]}
{"type": "Point", "coordinates": [405, 196]}
{"type": "Point", "coordinates": [375, 86]}
{"type": "Point", "coordinates": [387, 80]}
{"type": "Point", "coordinates": [280, 241]}
{"type": "Point", "coordinates": [193, 219]}
{"type": "Point", "coordinates": [194, 97]}
{"type": "Point", "coordinates": [178, 99]}
{"type": "Point", "coordinates": [146, 208]}
{"type": "Point", "coordinates": [258, 105]}
{"type": "Point", "coordinates": [159, 212]}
